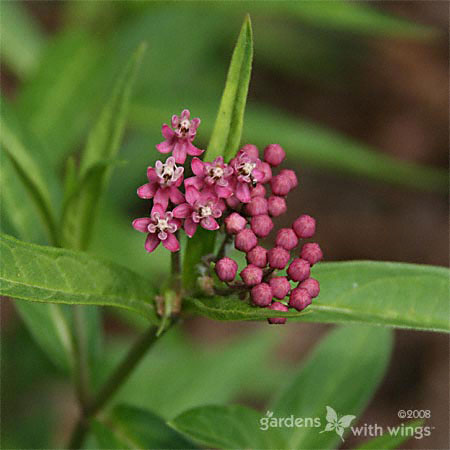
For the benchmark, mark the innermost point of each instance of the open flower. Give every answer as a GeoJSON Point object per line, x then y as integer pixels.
{"type": "Point", "coordinates": [247, 171]}
{"type": "Point", "coordinates": [160, 227]}
{"type": "Point", "coordinates": [163, 184]}
{"type": "Point", "coordinates": [179, 138]}
{"type": "Point", "coordinates": [215, 175]}
{"type": "Point", "coordinates": [201, 208]}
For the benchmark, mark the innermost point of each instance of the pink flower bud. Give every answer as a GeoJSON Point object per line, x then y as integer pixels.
{"type": "Point", "coordinates": [245, 240]}
{"type": "Point", "coordinates": [256, 206]}
{"type": "Point", "coordinates": [286, 238]}
{"type": "Point", "coordinates": [252, 275]}
{"type": "Point", "coordinates": [276, 205]}
{"type": "Point", "coordinates": [251, 150]}
{"type": "Point", "coordinates": [304, 226]}
{"type": "Point", "coordinates": [261, 295]}
{"type": "Point", "coordinates": [311, 252]}
{"type": "Point", "coordinates": [299, 299]}
{"type": "Point", "coordinates": [258, 191]}
{"type": "Point", "coordinates": [292, 177]}
{"type": "Point", "coordinates": [298, 270]}
{"type": "Point", "coordinates": [226, 269]}
{"type": "Point", "coordinates": [257, 256]}
{"type": "Point", "coordinates": [312, 286]}
{"type": "Point", "coordinates": [278, 257]}
{"type": "Point", "coordinates": [274, 154]}
{"type": "Point", "coordinates": [235, 223]}
{"type": "Point", "coordinates": [233, 202]}
{"type": "Point", "coordinates": [281, 185]}
{"type": "Point", "coordinates": [267, 171]}
{"type": "Point", "coordinates": [280, 287]}
{"type": "Point", "coordinates": [261, 225]}
{"type": "Point", "coordinates": [278, 306]}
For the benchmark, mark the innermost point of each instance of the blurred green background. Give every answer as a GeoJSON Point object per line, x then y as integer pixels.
{"type": "Point", "coordinates": [357, 93]}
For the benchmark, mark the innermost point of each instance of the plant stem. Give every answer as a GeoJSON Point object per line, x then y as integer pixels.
{"type": "Point", "coordinates": [81, 363]}
{"type": "Point", "coordinates": [221, 252]}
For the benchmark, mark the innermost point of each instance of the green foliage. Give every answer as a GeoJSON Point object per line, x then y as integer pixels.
{"type": "Point", "coordinates": [45, 274]}
{"type": "Point", "coordinates": [103, 144]}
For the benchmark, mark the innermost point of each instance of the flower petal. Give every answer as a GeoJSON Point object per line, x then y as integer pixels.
{"type": "Point", "coordinates": [175, 195]}
{"type": "Point", "coordinates": [243, 192]}
{"type": "Point", "coordinates": [185, 114]}
{"type": "Point", "coordinates": [152, 175]}
{"type": "Point", "coordinates": [196, 182]}
{"type": "Point", "coordinates": [197, 167]}
{"type": "Point", "coordinates": [141, 224]}
{"type": "Point", "coordinates": [179, 151]}
{"type": "Point", "coordinates": [151, 242]}
{"type": "Point", "coordinates": [182, 211]}
{"type": "Point", "coordinates": [147, 190]}
{"type": "Point", "coordinates": [190, 227]}
{"type": "Point", "coordinates": [162, 197]}
{"type": "Point", "coordinates": [167, 132]}
{"type": "Point", "coordinates": [157, 208]}
{"type": "Point", "coordinates": [164, 147]}
{"type": "Point", "coordinates": [208, 223]}
{"type": "Point", "coordinates": [193, 150]}
{"type": "Point", "coordinates": [192, 195]}
{"type": "Point", "coordinates": [223, 192]}
{"type": "Point", "coordinates": [171, 243]}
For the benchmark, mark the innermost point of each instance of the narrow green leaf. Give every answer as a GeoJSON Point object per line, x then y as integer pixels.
{"type": "Point", "coordinates": [29, 162]}
{"type": "Point", "coordinates": [382, 293]}
{"type": "Point", "coordinates": [388, 441]}
{"type": "Point", "coordinates": [227, 131]}
{"type": "Point", "coordinates": [227, 427]}
{"type": "Point", "coordinates": [52, 275]}
{"type": "Point", "coordinates": [22, 40]}
{"type": "Point", "coordinates": [131, 428]}
{"type": "Point", "coordinates": [342, 372]}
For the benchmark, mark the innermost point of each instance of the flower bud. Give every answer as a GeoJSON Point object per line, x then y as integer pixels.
{"type": "Point", "coordinates": [256, 206]}
{"type": "Point", "coordinates": [235, 223]}
{"type": "Point", "coordinates": [252, 275]}
{"type": "Point", "coordinates": [304, 226]}
{"type": "Point", "coordinates": [286, 238]}
{"type": "Point", "coordinates": [311, 252]}
{"type": "Point", "coordinates": [257, 256]}
{"type": "Point", "coordinates": [251, 150]}
{"type": "Point", "coordinates": [278, 306]}
{"type": "Point", "coordinates": [274, 154]}
{"type": "Point", "coordinates": [292, 177]}
{"type": "Point", "coordinates": [261, 225]}
{"type": "Point", "coordinates": [261, 294]}
{"type": "Point", "coordinates": [298, 270]}
{"type": "Point", "coordinates": [276, 205]}
{"type": "Point", "coordinates": [226, 269]}
{"type": "Point", "coordinates": [258, 191]}
{"type": "Point", "coordinates": [278, 257]}
{"type": "Point", "coordinates": [299, 299]}
{"type": "Point", "coordinates": [245, 240]}
{"type": "Point", "coordinates": [233, 202]}
{"type": "Point", "coordinates": [281, 185]}
{"type": "Point", "coordinates": [311, 285]}
{"type": "Point", "coordinates": [280, 287]}
{"type": "Point", "coordinates": [267, 171]}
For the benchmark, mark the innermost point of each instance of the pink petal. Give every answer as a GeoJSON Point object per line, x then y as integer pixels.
{"type": "Point", "coordinates": [195, 123]}
{"type": "Point", "coordinates": [193, 151]}
{"type": "Point", "coordinates": [224, 192]}
{"type": "Point", "coordinates": [258, 175]}
{"type": "Point", "coordinates": [164, 147]}
{"type": "Point", "coordinates": [175, 121]}
{"type": "Point", "coordinates": [171, 243]}
{"type": "Point", "coordinates": [197, 167]}
{"type": "Point", "coordinates": [141, 224]}
{"type": "Point", "coordinates": [192, 195]}
{"type": "Point", "coordinates": [175, 196]}
{"type": "Point", "coordinates": [190, 227]}
{"type": "Point", "coordinates": [179, 151]}
{"type": "Point", "coordinates": [162, 197]}
{"type": "Point", "coordinates": [196, 182]}
{"type": "Point", "coordinates": [208, 223]}
{"type": "Point", "coordinates": [185, 114]}
{"type": "Point", "coordinates": [151, 242]}
{"type": "Point", "coordinates": [167, 132]}
{"type": "Point", "coordinates": [243, 192]}
{"type": "Point", "coordinates": [152, 175]}
{"type": "Point", "coordinates": [147, 190]}
{"type": "Point", "coordinates": [182, 211]}
{"type": "Point", "coordinates": [158, 208]}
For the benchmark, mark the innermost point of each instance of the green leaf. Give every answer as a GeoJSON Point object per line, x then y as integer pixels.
{"type": "Point", "coordinates": [227, 427]}
{"type": "Point", "coordinates": [128, 427]}
{"type": "Point", "coordinates": [389, 441]}
{"type": "Point", "coordinates": [342, 372]}
{"type": "Point", "coordinates": [52, 275]}
{"type": "Point", "coordinates": [227, 131]}
{"type": "Point", "coordinates": [382, 293]}
{"type": "Point", "coordinates": [22, 40]}
{"type": "Point", "coordinates": [29, 162]}
{"type": "Point", "coordinates": [103, 144]}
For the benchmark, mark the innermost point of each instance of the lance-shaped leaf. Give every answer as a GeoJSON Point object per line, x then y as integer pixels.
{"type": "Point", "coordinates": [52, 275]}
{"type": "Point", "coordinates": [343, 371]}
{"type": "Point", "coordinates": [103, 144]}
{"type": "Point", "coordinates": [227, 131]}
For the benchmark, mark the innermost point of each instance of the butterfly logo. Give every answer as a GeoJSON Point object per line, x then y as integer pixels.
{"type": "Point", "coordinates": [338, 425]}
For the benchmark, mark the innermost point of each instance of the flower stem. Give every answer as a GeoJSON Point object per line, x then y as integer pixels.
{"type": "Point", "coordinates": [221, 252]}
{"type": "Point", "coordinates": [81, 372]}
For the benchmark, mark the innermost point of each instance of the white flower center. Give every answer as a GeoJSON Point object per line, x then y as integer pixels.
{"type": "Point", "coordinates": [246, 168]}
{"type": "Point", "coordinates": [183, 126]}
{"type": "Point", "coordinates": [216, 172]}
{"type": "Point", "coordinates": [205, 211]}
